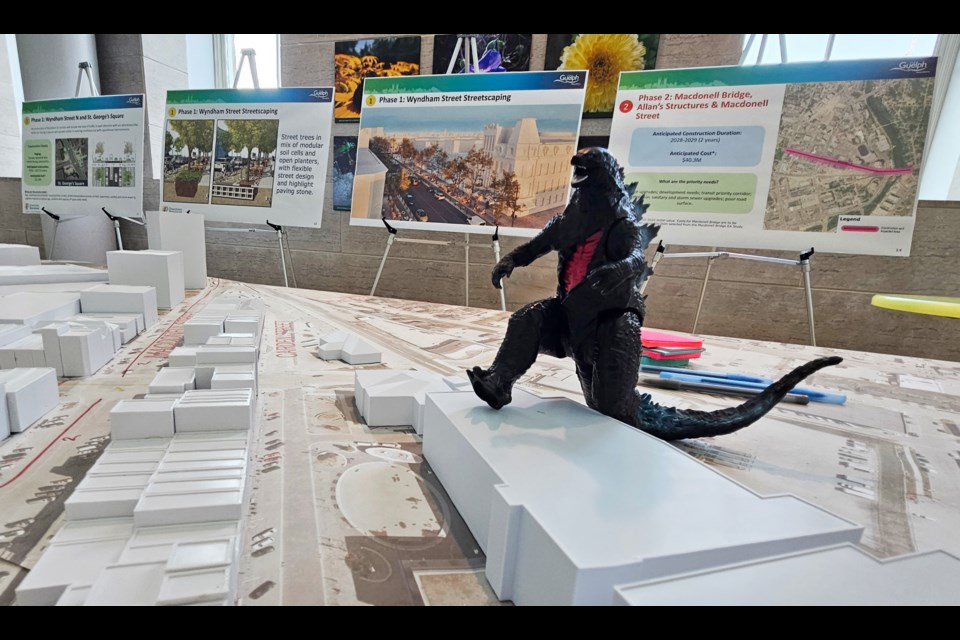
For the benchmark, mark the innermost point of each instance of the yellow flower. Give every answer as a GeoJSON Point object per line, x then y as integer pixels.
{"type": "Point", "coordinates": [605, 55]}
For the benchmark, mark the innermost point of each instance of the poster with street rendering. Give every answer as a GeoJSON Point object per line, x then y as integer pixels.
{"type": "Point", "coordinates": [469, 152]}
{"type": "Point", "coordinates": [791, 156]}
{"type": "Point", "coordinates": [81, 155]}
{"type": "Point", "coordinates": [248, 155]}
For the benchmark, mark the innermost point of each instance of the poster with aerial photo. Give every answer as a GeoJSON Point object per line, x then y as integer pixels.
{"type": "Point", "coordinates": [469, 152]}
{"type": "Point", "coordinates": [357, 60]}
{"type": "Point", "coordinates": [248, 155]}
{"type": "Point", "coordinates": [82, 155]}
{"type": "Point", "coordinates": [604, 55]}
{"type": "Point", "coordinates": [496, 52]}
{"type": "Point", "coordinates": [344, 166]}
{"type": "Point", "coordinates": [788, 156]}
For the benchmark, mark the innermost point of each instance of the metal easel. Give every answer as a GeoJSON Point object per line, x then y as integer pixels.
{"type": "Point", "coordinates": [803, 262]}
{"type": "Point", "coordinates": [116, 224]}
{"type": "Point", "coordinates": [276, 228]}
{"type": "Point", "coordinates": [467, 44]}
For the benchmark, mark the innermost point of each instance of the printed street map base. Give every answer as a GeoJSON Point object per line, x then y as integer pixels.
{"type": "Point", "coordinates": [887, 460]}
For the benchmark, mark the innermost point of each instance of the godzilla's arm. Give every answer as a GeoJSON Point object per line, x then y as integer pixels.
{"type": "Point", "coordinates": [626, 245]}
{"type": "Point", "coordinates": [542, 244]}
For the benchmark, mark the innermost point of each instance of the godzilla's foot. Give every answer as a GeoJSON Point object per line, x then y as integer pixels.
{"type": "Point", "coordinates": [489, 388]}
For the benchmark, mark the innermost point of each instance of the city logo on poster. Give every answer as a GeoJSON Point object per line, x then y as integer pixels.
{"type": "Point", "coordinates": [134, 100]}
{"type": "Point", "coordinates": [569, 78]}
{"type": "Point", "coordinates": [912, 66]}
{"type": "Point", "coordinates": [320, 94]}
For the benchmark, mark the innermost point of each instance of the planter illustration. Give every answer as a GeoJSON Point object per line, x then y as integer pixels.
{"type": "Point", "coordinates": [187, 182]}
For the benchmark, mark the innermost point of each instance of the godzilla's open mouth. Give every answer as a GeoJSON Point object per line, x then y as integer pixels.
{"type": "Point", "coordinates": [579, 174]}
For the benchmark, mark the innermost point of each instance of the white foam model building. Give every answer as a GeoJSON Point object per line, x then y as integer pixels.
{"type": "Point", "coordinates": [173, 380]}
{"type": "Point", "coordinates": [349, 347]}
{"type": "Point", "coordinates": [50, 274]}
{"type": "Point", "coordinates": [29, 395]}
{"type": "Point", "coordinates": [567, 504]}
{"type": "Point", "coordinates": [130, 325]}
{"type": "Point", "coordinates": [19, 255]}
{"type": "Point", "coordinates": [184, 233]}
{"type": "Point", "coordinates": [4, 417]}
{"type": "Point", "coordinates": [394, 398]}
{"type": "Point", "coordinates": [138, 419]}
{"type": "Point", "coordinates": [162, 270]}
{"type": "Point", "coordinates": [32, 308]}
{"type": "Point", "coordinates": [115, 298]}
{"type": "Point", "coordinates": [25, 352]}
{"type": "Point", "coordinates": [201, 327]}
{"type": "Point", "coordinates": [841, 576]}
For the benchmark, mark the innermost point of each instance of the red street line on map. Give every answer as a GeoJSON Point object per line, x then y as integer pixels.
{"type": "Point", "coordinates": [172, 325]}
{"type": "Point", "coordinates": [833, 162]}
{"type": "Point", "coordinates": [52, 442]}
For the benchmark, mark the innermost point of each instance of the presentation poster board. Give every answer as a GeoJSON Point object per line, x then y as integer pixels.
{"type": "Point", "coordinates": [787, 156]}
{"type": "Point", "coordinates": [83, 154]}
{"type": "Point", "coordinates": [248, 155]}
{"type": "Point", "coordinates": [468, 152]}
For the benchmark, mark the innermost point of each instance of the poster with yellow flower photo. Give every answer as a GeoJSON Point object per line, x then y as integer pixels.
{"type": "Point", "coordinates": [605, 55]}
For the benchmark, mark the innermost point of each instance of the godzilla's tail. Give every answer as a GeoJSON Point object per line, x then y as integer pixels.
{"type": "Point", "coordinates": [669, 423]}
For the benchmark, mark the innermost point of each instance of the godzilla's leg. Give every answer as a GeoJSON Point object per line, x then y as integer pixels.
{"type": "Point", "coordinates": [616, 367]}
{"type": "Point", "coordinates": [535, 328]}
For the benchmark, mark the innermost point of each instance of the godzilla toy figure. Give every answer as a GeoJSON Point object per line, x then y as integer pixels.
{"type": "Point", "coordinates": [596, 316]}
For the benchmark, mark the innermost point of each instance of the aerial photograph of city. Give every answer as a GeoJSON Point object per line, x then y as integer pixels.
{"type": "Point", "coordinates": [848, 148]}
{"type": "Point", "coordinates": [506, 166]}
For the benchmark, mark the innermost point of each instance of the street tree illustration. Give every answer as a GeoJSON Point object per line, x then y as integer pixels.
{"type": "Point", "coordinates": [98, 150]}
{"type": "Point", "coordinates": [197, 136]}
{"type": "Point", "coordinates": [506, 194]}
{"type": "Point", "coordinates": [128, 149]}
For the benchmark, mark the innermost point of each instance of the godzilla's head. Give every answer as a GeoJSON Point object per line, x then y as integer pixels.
{"type": "Point", "coordinates": [595, 167]}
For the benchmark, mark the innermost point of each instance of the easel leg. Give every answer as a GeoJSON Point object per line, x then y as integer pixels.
{"type": "Point", "coordinates": [383, 261]}
{"type": "Point", "coordinates": [808, 291]}
{"type": "Point", "coordinates": [496, 259]}
{"type": "Point", "coordinates": [283, 259]}
{"type": "Point", "coordinates": [116, 229]}
{"type": "Point", "coordinates": [466, 278]}
{"type": "Point", "coordinates": [703, 292]}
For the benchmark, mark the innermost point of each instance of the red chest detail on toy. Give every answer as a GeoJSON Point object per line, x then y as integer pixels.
{"type": "Point", "coordinates": [577, 267]}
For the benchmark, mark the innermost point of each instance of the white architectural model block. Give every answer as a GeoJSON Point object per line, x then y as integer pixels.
{"type": "Point", "coordinates": [184, 233]}
{"type": "Point", "coordinates": [346, 346]}
{"type": "Point", "coordinates": [162, 270]}
{"type": "Point", "coordinates": [567, 503]}
{"type": "Point", "coordinates": [129, 325]}
{"type": "Point", "coordinates": [84, 349]}
{"type": "Point", "coordinates": [30, 394]}
{"type": "Point", "coordinates": [187, 508]}
{"type": "Point", "coordinates": [19, 255]}
{"type": "Point", "coordinates": [233, 324]}
{"type": "Point", "coordinates": [12, 333]}
{"type": "Point", "coordinates": [4, 418]}
{"type": "Point", "coordinates": [135, 419]}
{"type": "Point", "coordinates": [223, 379]}
{"type": "Point", "coordinates": [214, 410]}
{"type": "Point", "coordinates": [50, 334]}
{"type": "Point", "coordinates": [90, 503]}
{"type": "Point", "coordinates": [836, 576]}
{"type": "Point", "coordinates": [183, 356]}
{"type": "Point", "coordinates": [130, 585]}
{"type": "Point", "coordinates": [189, 587]}
{"type": "Point", "coordinates": [74, 596]}
{"type": "Point", "coordinates": [173, 380]}
{"type": "Point", "coordinates": [34, 308]}
{"type": "Point", "coordinates": [212, 357]}
{"type": "Point", "coordinates": [63, 565]}
{"type": "Point", "coordinates": [24, 353]}
{"type": "Point", "coordinates": [50, 273]}
{"type": "Point", "coordinates": [116, 298]}
{"type": "Point", "coordinates": [392, 398]}
{"type": "Point", "coordinates": [198, 329]}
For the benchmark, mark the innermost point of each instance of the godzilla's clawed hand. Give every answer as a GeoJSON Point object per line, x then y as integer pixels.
{"type": "Point", "coordinates": [503, 270]}
{"type": "Point", "coordinates": [606, 279]}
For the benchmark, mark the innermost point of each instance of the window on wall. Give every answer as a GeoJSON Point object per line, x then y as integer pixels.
{"type": "Point", "coordinates": [266, 46]}
{"type": "Point", "coordinates": [814, 47]}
